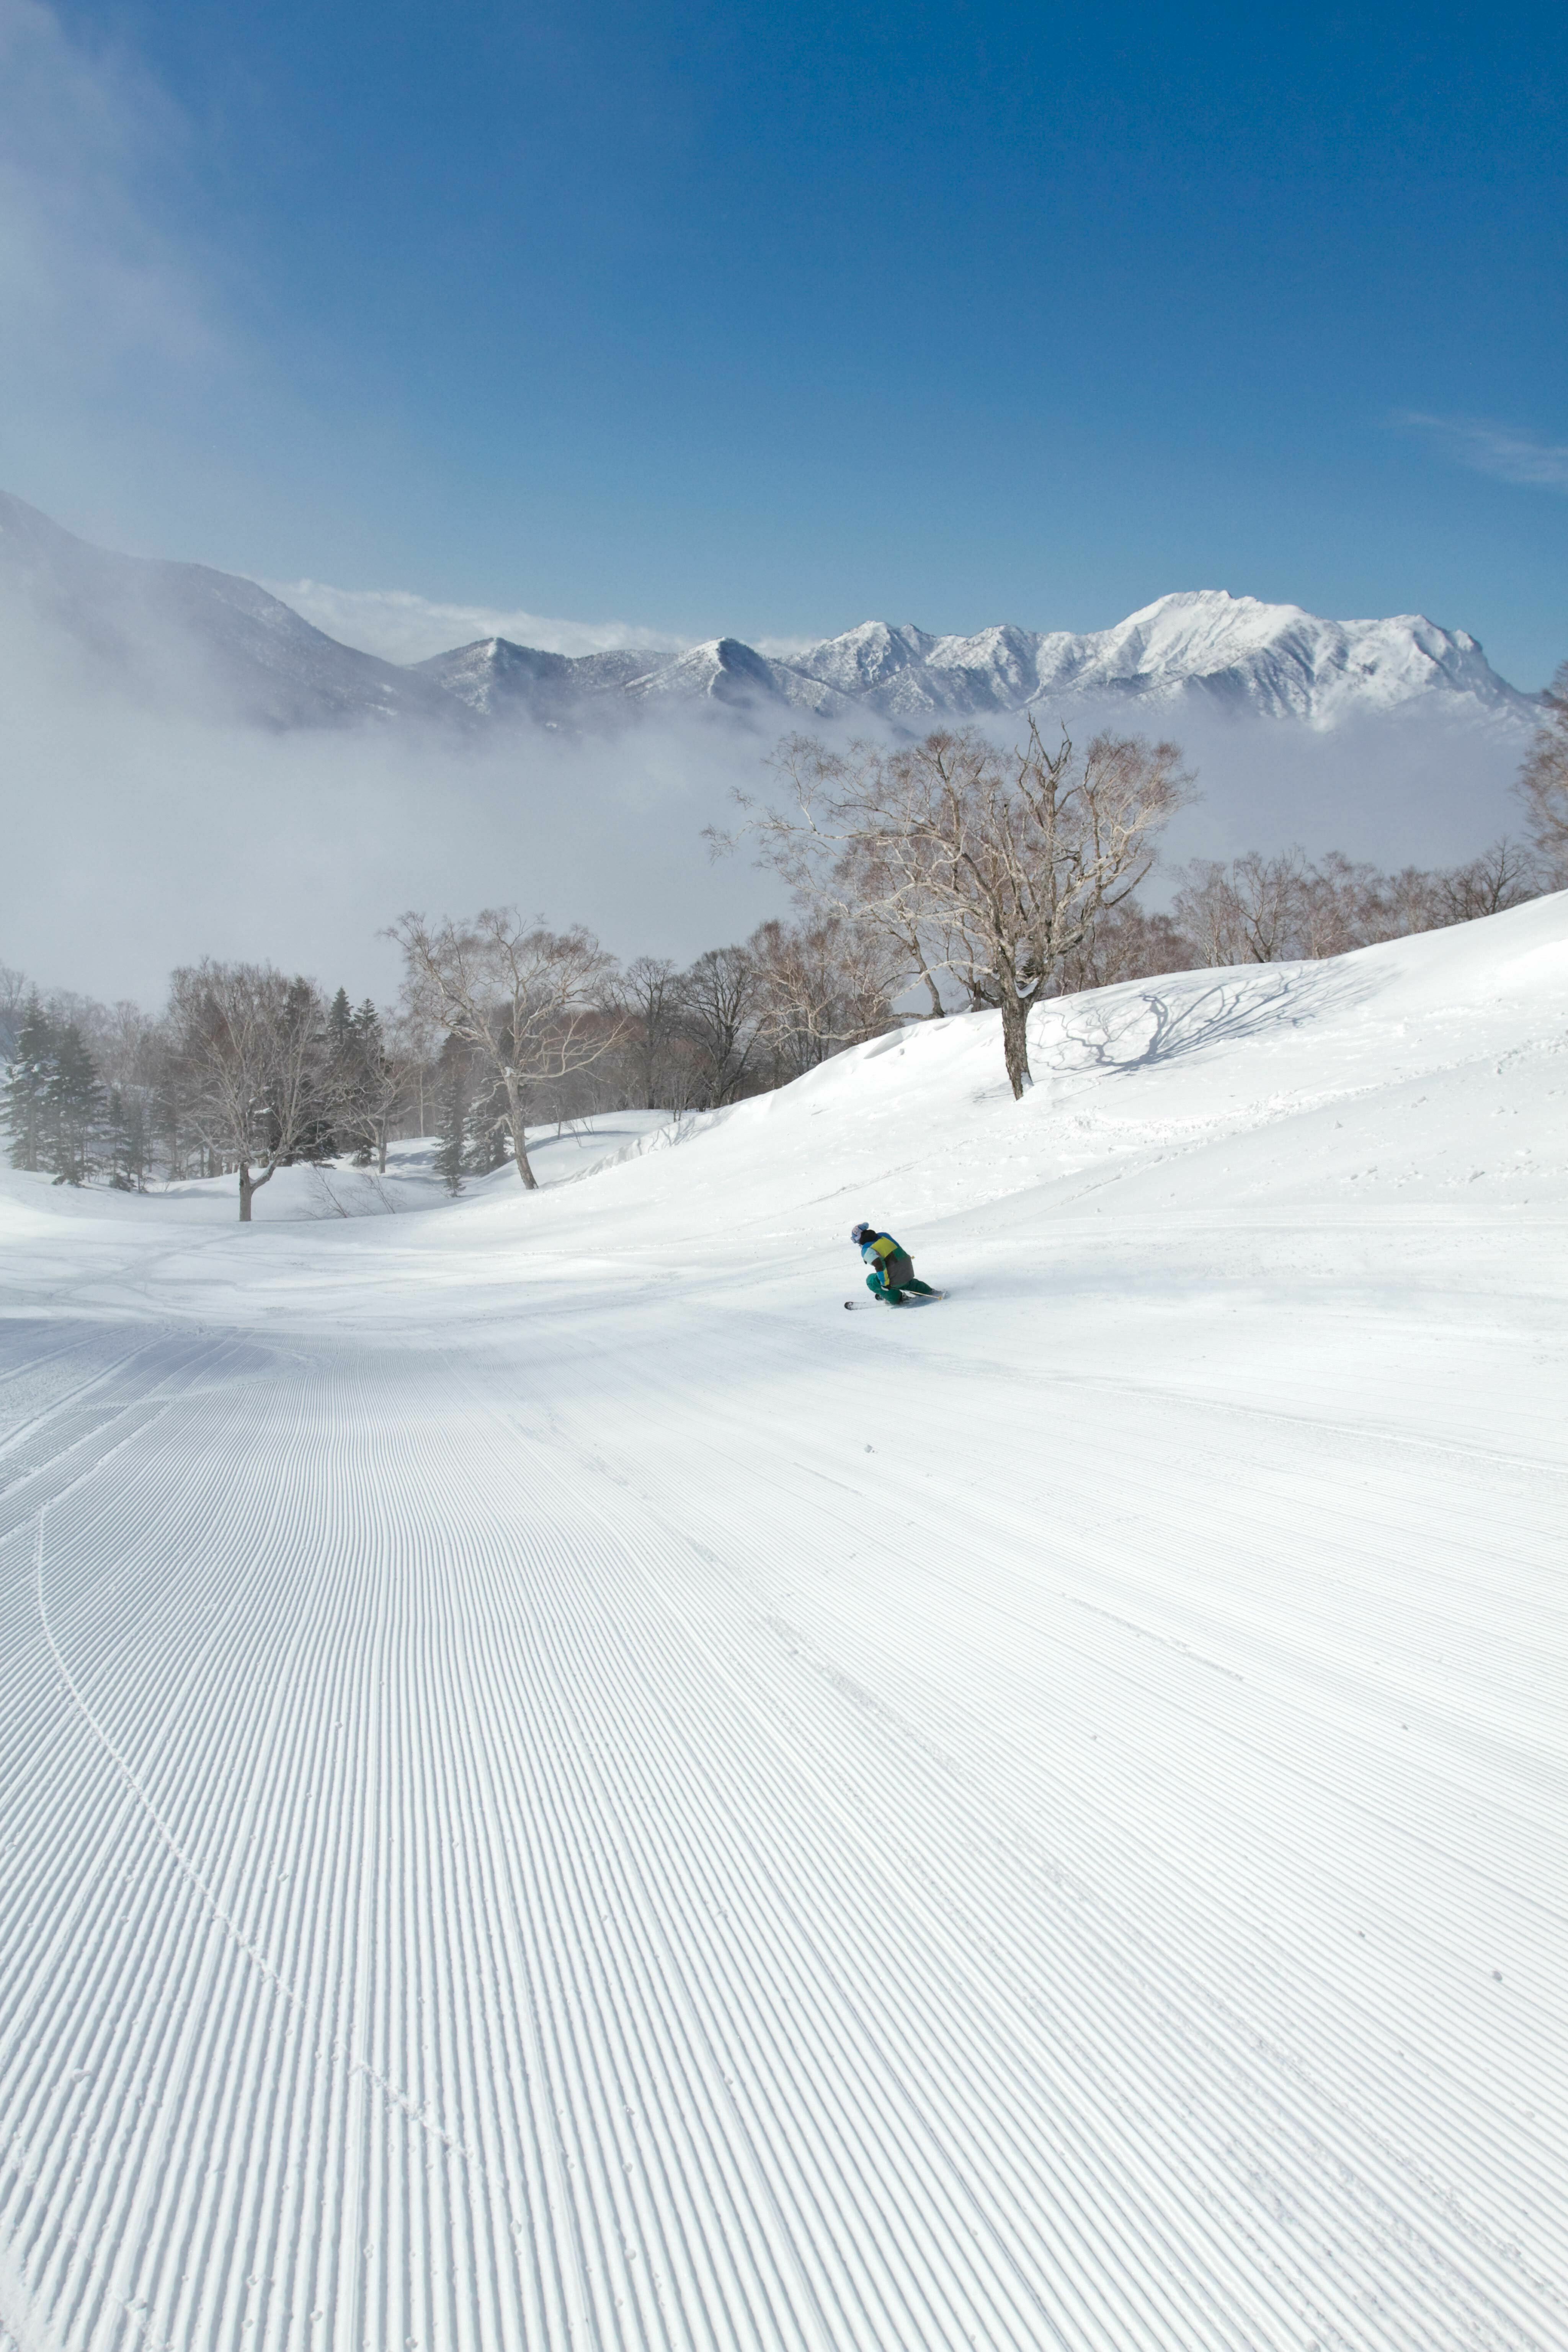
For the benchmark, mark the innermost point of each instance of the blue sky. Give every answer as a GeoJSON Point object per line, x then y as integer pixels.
{"type": "Point", "coordinates": [737, 318]}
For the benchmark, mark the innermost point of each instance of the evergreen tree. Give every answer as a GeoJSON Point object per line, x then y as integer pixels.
{"type": "Point", "coordinates": [488, 1146]}
{"type": "Point", "coordinates": [368, 1078]}
{"type": "Point", "coordinates": [127, 1136]}
{"type": "Point", "coordinates": [26, 1089]}
{"type": "Point", "coordinates": [454, 1088]}
{"type": "Point", "coordinates": [317, 1139]}
{"type": "Point", "coordinates": [74, 1099]}
{"type": "Point", "coordinates": [170, 1113]}
{"type": "Point", "coordinates": [54, 1099]}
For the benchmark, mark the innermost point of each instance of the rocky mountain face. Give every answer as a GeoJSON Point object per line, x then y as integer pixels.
{"type": "Point", "coordinates": [164, 630]}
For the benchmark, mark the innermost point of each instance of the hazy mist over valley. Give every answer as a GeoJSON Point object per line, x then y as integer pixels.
{"type": "Point", "coordinates": [191, 769]}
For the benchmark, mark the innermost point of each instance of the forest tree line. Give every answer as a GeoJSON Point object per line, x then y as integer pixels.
{"type": "Point", "coordinates": [950, 875]}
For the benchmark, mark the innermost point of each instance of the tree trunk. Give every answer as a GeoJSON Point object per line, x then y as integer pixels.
{"type": "Point", "coordinates": [938, 1009]}
{"type": "Point", "coordinates": [250, 1186]}
{"type": "Point", "coordinates": [1016, 1040]}
{"type": "Point", "coordinates": [515, 1124]}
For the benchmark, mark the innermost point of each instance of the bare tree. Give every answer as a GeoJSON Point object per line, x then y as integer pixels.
{"type": "Point", "coordinates": [1405, 903]}
{"type": "Point", "coordinates": [14, 991]}
{"type": "Point", "coordinates": [1337, 907]}
{"type": "Point", "coordinates": [822, 986]}
{"type": "Point", "coordinates": [252, 1041]}
{"type": "Point", "coordinates": [1269, 909]}
{"type": "Point", "coordinates": [1127, 944]}
{"type": "Point", "coordinates": [1544, 783]}
{"type": "Point", "coordinates": [530, 1003]}
{"type": "Point", "coordinates": [1247, 912]}
{"type": "Point", "coordinates": [987, 866]}
{"type": "Point", "coordinates": [1501, 876]}
{"type": "Point", "coordinates": [720, 1009]}
{"type": "Point", "coordinates": [648, 997]}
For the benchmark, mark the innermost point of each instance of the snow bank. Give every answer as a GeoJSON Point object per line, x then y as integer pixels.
{"type": "Point", "coordinates": [559, 1154]}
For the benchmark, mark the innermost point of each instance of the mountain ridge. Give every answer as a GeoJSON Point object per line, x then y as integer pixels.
{"type": "Point", "coordinates": [187, 630]}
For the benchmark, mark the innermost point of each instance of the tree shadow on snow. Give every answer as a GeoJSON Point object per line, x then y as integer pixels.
{"type": "Point", "coordinates": [1158, 1026]}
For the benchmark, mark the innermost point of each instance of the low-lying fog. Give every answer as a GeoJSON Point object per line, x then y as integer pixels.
{"type": "Point", "coordinates": [136, 837]}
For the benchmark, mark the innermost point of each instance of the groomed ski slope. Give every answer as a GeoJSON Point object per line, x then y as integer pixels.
{"type": "Point", "coordinates": [559, 1790]}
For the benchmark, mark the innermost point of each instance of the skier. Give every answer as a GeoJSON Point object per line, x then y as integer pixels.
{"type": "Point", "coordinates": [892, 1275]}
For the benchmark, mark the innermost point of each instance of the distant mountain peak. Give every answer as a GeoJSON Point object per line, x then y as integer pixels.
{"type": "Point", "coordinates": [221, 641]}
{"type": "Point", "coordinates": [1232, 652]}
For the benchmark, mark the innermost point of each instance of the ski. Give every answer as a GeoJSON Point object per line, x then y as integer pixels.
{"type": "Point", "coordinates": [926, 1298]}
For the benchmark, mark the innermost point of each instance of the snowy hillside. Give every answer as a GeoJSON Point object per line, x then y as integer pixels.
{"type": "Point", "coordinates": [560, 1789]}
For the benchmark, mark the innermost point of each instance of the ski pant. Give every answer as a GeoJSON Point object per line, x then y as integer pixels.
{"type": "Point", "coordinates": [879, 1287]}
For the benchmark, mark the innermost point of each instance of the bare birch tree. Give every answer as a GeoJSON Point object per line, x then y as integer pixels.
{"type": "Point", "coordinates": [1244, 912]}
{"type": "Point", "coordinates": [822, 986]}
{"type": "Point", "coordinates": [1504, 875]}
{"type": "Point", "coordinates": [1287, 909]}
{"type": "Point", "coordinates": [986, 865]}
{"type": "Point", "coordinates": [529, 1003]}
{"type": "Point", "coordinates": [252, 1041]}
{"type": "Point", "coordinates": [1128, 943]}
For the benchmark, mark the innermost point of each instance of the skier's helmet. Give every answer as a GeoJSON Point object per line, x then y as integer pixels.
{"type": "Point", "coordinates": [862, 1233]}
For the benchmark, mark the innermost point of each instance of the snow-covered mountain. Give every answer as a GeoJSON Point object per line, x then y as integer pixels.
{"type": "Point", "coordinates": [1231, 651]}
{"type": "Point", "coordinates": [494, 676]}
{"type": "Point", "coordinates": [184, 636]}
{"type": "Point", "coordinates": [1228, 654]}
{"type": "Point", "coordinates": [183, 631]}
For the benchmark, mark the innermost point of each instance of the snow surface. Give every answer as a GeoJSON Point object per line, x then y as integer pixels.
{"type": "Point", "coordinates": [561, 1789]}
{"type": "Point", "coordinates": [557, 1153]}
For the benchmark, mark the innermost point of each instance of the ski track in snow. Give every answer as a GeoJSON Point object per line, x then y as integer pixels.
{"type": "Point", "coordinates": [667, 1820]}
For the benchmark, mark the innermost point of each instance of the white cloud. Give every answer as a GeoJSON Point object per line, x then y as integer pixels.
{"type": "Point", "coordinates": [1499, 449]}
{"type": "Point", "coordinates": [88, 279]}
{"type": "Point", "coordinates": [404, 627]}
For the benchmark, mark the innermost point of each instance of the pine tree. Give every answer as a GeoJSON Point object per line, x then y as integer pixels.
{"type": "Point", "coordinates": [487, 1147]}
{"type": "Point", "coordinates": [126, 1128]}
{"type": "Point", "coordinates": [453, 1087]}
{"type": "Point", "coordinates": [367, 1062]}
{"type": "Point", "coordinates": [74, 1097]}
{"type": "Point", "coordinates": [26, 1089]}
{"type": "Point", "coordinates": [317, 1138]}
